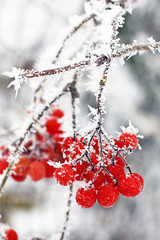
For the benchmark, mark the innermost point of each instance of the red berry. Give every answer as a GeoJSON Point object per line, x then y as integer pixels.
{"type": "Point", "coordinates": [11, 235]}
{"type": "Point", "coordinates": [116, 170]}
{"type": "Point", "coordinates": [107, 196]}
{"type": "Point", "coordinates": [3, 165]}
{"type": "Point", "coordinates": [65, 175]}
{"type": "Point", "coordinates": [127, 140]}
{"type": "Point", "coordinates": [86, 197]}
{"type": "Point", "coordinates": [130, 185]}
{"type": "Point", "coordinates": [21, 168]}
{"type": "Point", "coordinates": [58, 113]}
{"type": "Point", "coordinates": [37, 171]}
{"type": "Point", "coordinates": [53, 126]}
{"type": "Point", "coordinates": [18, 178]}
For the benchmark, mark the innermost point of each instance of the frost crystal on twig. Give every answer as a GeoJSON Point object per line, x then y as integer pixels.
{"type": "Point", "coordinates": [19, 78]}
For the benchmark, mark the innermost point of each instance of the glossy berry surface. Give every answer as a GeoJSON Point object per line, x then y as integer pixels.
{"type": "Point", "coordinates": [65, 175]}
{"type": "Point", "coordinates": [37, 170]}
{"type": "Point", "coordinates": [107, 196]}
{"type": "Point", "coordinates": [11, 234]}
{"type": "Point", "coordinates": [86, 197]}
{"type": "Point", "coordinates": [130, 185]}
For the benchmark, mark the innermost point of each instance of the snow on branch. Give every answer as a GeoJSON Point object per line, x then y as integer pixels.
{"type": "Point", "coordinates": [130, 50]}
{"type": "Point", "coordinates": [21, 75]}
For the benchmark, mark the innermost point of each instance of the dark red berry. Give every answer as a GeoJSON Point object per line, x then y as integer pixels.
{"type": "Point", "coordinates": [107, 196]}
{"type": "Point", "coordinates": [130, 185]}
{"type": "Point", "coordinates": [18, 178]}
{"type": "Point", "coordinates": [86, 197]}
{"type": "Point", "coordinates": [65, 175]}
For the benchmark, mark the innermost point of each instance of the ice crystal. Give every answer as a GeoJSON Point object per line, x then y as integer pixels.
{"type": "Point", "coordinates": [19, 78]}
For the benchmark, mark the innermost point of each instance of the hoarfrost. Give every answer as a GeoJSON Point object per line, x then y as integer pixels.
{"type": "Point", "coordinates": [19, 78]}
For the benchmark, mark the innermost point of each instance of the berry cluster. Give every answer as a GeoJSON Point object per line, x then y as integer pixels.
{"type": "Point", "coordinates": [99, 163]}
{"type": "Point", "coordinates": [41, 148]}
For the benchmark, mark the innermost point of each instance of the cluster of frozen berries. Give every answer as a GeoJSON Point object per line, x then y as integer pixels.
{"type": "Point", "coordinates": [41, 148]}
{"type": "Point", "coordinates": [99, 163]}
{"type": "Point", "coordinates": [7, 233]}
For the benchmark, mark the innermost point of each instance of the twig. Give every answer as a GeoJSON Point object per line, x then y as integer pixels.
{"type": "Point", "coordinates": [69, 202]}
{"type": "Point", "coordinates": [74, 30]}
{"type": "Point", "coordinates": [128, 49]}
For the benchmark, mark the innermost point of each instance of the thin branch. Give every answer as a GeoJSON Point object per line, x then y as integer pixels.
{"type": "Point", "coordinates": [74, 95]}
{"type": "Point", "coordinates": [128, 49]}
{"type": "Point", "coordinates": [74, 30]}
{"type": "Point", "coordinates": [69, 203]}
{"type": "Point", "coordinates": [99, 99]}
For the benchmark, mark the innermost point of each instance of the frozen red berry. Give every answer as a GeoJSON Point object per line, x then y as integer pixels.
{"type": "Point", "coordinates": [65, 175]}
{"type": "Point", "coordinates": [130, 185]}
{"type": "Point", "coordinates": [86, 197]}
{"type": "Point", "coordinates": [81, 168]}
{"type": "Point", "coordinates": [107, 196]}
{"type": "Point", "coordinates": [37, 170]}
{"type": "Point", "coordinates": [127, 140]}
{"type": "Point", "coordinates": [11, 234]}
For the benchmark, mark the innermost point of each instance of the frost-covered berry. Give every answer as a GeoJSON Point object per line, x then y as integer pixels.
{"type": "Point", "coordinates": [86, 197]}
{"type": "Point", "coordinates": [37, 170]}
{"type": "Point", "coordinates": [11, 234]}
{"type": "Point", "coordinates": [65, 175]}
{"type": "Point", "coordinates": [81, 168]}
{"type": "Point", "coordinates": [107, 196]}
{"type": "Point", "coordinates": [127, 140]}
{"type": "Point", "coordinates": [130, 185]}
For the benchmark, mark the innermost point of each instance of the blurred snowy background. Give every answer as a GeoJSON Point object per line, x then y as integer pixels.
{"type": "Point", "coordinates": [29, 31]}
